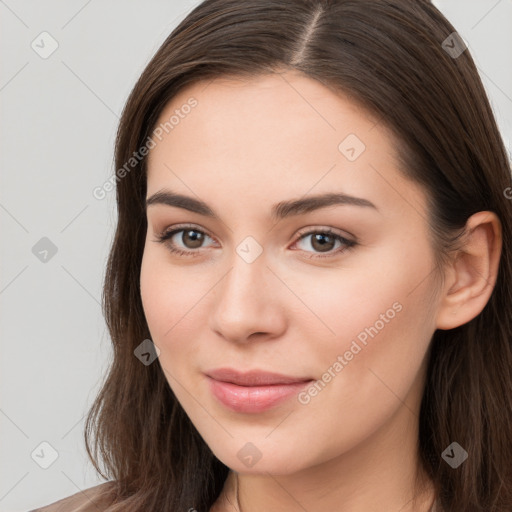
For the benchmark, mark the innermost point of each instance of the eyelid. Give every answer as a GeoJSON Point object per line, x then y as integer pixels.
{"type": "Point", "coordinates": [349, 242]}
{"type": "Point", "coordinates": [183, 227]}
{"type": "Point", "coordinates": [327, 229]}
{"type": "Point", "coordinates": [303, 231]}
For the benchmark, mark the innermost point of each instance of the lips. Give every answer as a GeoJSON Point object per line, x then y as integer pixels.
{"type": "Point", "coordinates": [253, 391]}
{"type": "Point", "coordinates": [253, 377]}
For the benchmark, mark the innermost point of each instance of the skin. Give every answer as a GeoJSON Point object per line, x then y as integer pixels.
{"type": "Point", "coordinates": [247, 145]}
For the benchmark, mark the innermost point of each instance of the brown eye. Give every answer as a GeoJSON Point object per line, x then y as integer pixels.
{"type": "Point", "coordinates": [192, 238]}
{"type": "Point", "coordinates": [184, 245]}
{"type": "Point", "coordinates": [324, 241]}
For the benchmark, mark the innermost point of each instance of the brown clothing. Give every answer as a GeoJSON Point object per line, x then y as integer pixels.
{"type": "Point", "coordinates": [98, 498]}
{"type": "Point", "coordinates": [93, 499]}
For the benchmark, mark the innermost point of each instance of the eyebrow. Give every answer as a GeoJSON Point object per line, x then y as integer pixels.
{"type": "Point", "coordinates": [279, 210]}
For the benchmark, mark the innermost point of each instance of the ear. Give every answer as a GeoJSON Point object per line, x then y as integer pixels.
{"type": "Point", "coordinates": [471, 276]}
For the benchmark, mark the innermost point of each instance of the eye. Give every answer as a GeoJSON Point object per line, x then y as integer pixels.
{"type": "Point", "coordinates": [323, 241]}
{"type": "Point", "coordinates": [191, 236]}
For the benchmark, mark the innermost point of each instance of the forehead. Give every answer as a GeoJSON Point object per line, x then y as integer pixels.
{"type": "Point", "coordinates": [273, 135]}
{"type": "Point", "coordinates": [286, 112]}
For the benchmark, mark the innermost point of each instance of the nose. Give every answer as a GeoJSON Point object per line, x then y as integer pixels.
{"type": "Point", "coordinates": [247, 303]}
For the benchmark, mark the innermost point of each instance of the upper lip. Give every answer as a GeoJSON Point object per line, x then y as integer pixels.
{"type": "Point", "coordinates": [253, 377]}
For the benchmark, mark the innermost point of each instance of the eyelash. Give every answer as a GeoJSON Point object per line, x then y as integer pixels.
{"type": "Point", "coordinates": [165, 236]}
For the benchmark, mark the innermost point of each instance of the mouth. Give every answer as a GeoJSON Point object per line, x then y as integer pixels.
{"type": "Point", "coordinates": [253, 391]}
{"type": "Point", "coordinates": [253, 377]}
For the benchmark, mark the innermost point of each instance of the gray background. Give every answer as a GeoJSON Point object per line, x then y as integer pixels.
{"type": "Point", "coordinates": [59, 117]}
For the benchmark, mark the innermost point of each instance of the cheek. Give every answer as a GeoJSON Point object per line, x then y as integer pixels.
{"type": "Point", "coordinates": [354, 303]}
{"type": "Point", "coordinates": [369, 368]}
{"type": "Point", "coordinates": [171, 298]}
{"type": "Point", "coordinates": [155, 293]}
{"type": "Point", "coordinates": [378, 316]}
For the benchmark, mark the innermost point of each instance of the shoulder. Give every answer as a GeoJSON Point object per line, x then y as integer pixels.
{"type": "Point", "coordinates": [93, 499]}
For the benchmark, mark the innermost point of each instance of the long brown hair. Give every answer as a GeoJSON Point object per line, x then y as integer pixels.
{"type": "Point", "coordinates": [396, 58]}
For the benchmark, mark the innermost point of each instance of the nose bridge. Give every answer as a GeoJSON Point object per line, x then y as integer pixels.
{"type": "Point", "coordinates": [244, 300]}
{"type": "Point", "coordinates": [245, 282]}
{"type": "Point", "coordinates": [248, 269]}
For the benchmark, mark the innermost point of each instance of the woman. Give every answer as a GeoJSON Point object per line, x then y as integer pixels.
{"type": "Point", "coordinates": [308, 292]}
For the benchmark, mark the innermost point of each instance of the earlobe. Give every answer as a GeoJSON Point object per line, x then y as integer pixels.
{"type": "Point", "coordinates": [473, 272]}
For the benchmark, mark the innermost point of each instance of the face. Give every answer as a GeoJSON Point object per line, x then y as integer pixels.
{"type": "Point", "coordinates": [339, 296]}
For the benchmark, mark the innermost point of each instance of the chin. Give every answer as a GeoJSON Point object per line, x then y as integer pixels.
{"type": "Point", "coordinates": [263, 457]}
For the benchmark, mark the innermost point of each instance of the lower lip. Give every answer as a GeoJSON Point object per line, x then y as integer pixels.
{"type": "Point", "coordinates": [253, 398]}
